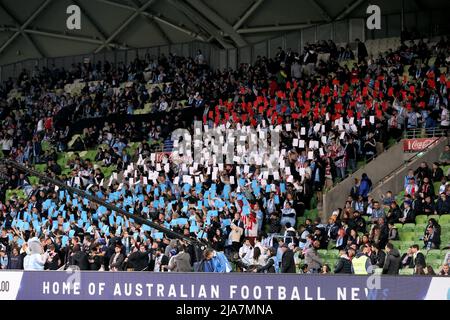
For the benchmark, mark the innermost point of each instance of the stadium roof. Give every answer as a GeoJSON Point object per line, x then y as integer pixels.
{"type": "Point", "coordinates": [37, 28]}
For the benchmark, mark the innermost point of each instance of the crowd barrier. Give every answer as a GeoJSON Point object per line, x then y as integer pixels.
{"type": "Point", "coordinates": [94, 285]}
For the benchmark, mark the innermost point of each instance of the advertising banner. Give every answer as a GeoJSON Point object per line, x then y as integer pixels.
{"type": "Point", "coordinates": [85, 285]}
{"type": "Point", "coordinates": [418, 144]}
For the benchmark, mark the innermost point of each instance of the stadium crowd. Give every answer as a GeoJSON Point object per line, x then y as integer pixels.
{"type": "Point", "coordinates": [331, 115]}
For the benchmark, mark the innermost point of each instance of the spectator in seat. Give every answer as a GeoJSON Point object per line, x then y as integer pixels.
{"type": "Point", "coordinates": [445, 270]}
{"type": "Point", "coordinates": [407, 215]}
{"type": "Point", "coordinates": [407, 260]}
{"type": "Point", "coordinates": [428, 206]}
{"type": "Point", "coordinates": [393, 232]}
{"type": "Point", "coordinates": [394, 213]}
{"type": "Point", "coordinates": [423, 171]}
{"type": "Point", "coordinates": [341, 241]}
{"type": "Point", "coordinates": [392, 262]}
{"type": "Point", "coordinates": [443, 204]}
{"type": "Point", "coordinates": [426, 189]}
{"type": "Point", "coordinates": [377, 212]}
{"type": "Point", "coordinates": [432, 238]}
{"type": "Point", "coordinates": [412, 187]}
{"type": "Point", "coordinates": [409, 176]}
{"type": "Point", "coordinates": [360, 223]}
{"type": "Point", "coordinates": [444, 157]}
{"type": "Point", "coordinates": [418, 258]}
{"type": "Point", "coordinates": [117, 259]}
{"type": "Point", "coordinates": [437, 173]}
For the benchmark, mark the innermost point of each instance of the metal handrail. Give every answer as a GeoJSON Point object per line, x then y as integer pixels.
{"type": "Point", "coordinates": [418, 155]}
{"type": "Point", "coordinates": [424, 133]}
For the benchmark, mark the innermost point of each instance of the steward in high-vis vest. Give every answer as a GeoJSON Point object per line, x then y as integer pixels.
{"type": "Point", "coordinates": [361, 263]}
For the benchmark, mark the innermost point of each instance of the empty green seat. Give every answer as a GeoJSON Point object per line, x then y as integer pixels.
{"type": "Point", "coordinates": [332, 254]}
{"type": "Point", "coordinates": [397, 243]}
{"type": "Point", "coordinates": [408, 227]}
{"type": "Point", "coordinates": [421, 219]}
{"type": "Point", "coordinates": [406, 272]}
{"type": "Point", "coordinates": [444, 219]}
{"type": "Point", "coordinates": [420, 227]}
{"type": "Point", "coordinates": [301, 220]}
{"type": "Point", "coordinates": [407, 236]}
{"type": "Point", "coordinates": [406, 244]}
{"type": "Point", "coordinates": [399, 226]}
{"type": "Point", "coordinates": [435, 263]}
{"type": "Point", "coordinates": [434, 216]}
{"type": "Point", "coordinates": [322, 252]}
{"type": "Point", "coordinates": [434, 254]}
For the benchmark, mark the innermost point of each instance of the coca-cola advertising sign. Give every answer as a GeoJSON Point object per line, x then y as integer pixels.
{"type": "Point", "coordinates": [419, 144]}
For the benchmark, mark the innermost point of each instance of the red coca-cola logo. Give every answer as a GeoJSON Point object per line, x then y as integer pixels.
{"type": "Point", "coordinates": [417, 144]}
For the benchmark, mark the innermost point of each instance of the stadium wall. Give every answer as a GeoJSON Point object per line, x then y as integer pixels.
{"type": "Point", "coordinates": [395, 182]}
{"type": "Point", "coordinates": [93, 285]}
{"type": "Point", "coordinates": [377, 169]}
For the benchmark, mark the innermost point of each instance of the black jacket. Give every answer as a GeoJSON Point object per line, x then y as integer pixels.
{"type": "Point", "coordinates": [407, 261]}
{"type": "Point", "coordinates": [420, 260]}
{"type": "Point", "coordinates": [138, 260]}
{"type": "Point", "coordinates": [287, 262]}
{"type": "Point", "coordinates": [392, 263]}
{"type": "Point", "coordinates": [80, 259]}
{"type": "Point", "coordinates": [378, 258]}
{"type": "Point", "coordinates": [344, 265]}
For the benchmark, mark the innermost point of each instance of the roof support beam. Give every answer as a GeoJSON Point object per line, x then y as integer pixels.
{"type": "Point", "coordinates": [153, 23]}
{"type": "Point", "coordinates": [199, 19]}
{"type": "Point", "coordinates": [25, 24]}
{"type": "Point", "coordinates": [355, 4]}
{"type": "Point", "coordinates": [156, 18]}
{"type": "Point", "coordinates": [247, 14]}
{"type": "Point", "coordinates": [124, 25]}
{"type": "Point", "coordinates": [322, 10]}
{"type": "Point", "coordinates": [219, 21]}
{"type": "Point", "coordinates": [276, 28]}
{"type": "Point", "coordinates": [26, 36]}
{"type": "Point", "coordinates": [63, 36]}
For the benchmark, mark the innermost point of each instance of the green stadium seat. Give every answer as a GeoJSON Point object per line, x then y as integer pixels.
{"type": "Point", "coordinates": [434, 254]}
{"type": "Point", "coordinates": [435, 263]}
{"type": "Point", "coordinates": [408, 236]}
{"type": "Point", "coordinates": [397, 243]}
{"type": "Point", "coordinates": [332, 254]}
{"type": "Point", "coordinates": [421, 219]}
{"type": "Point", "coordinates": [301, 220]}
{"type": "Point", "coordinates": [322, 252]}
{"type": "Point", "coordinates": [420, 227]}
{"type": "Point", "coordinates": [444, 219]}
{"type": "Point", "coordinates": [406, 272]}
{"type": "Point", "coordinates": [406, 244]}
{"type": "Point", "coordinates": [366, 218]}
{"type": "Point", "coordinates": [408, 227]}
{"type": "Point", "coordinates": [434, 216]}
{"type": "Point", "coordinates": [331, 244]}
{"type": "Point", "coordinates": [399, 226]}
